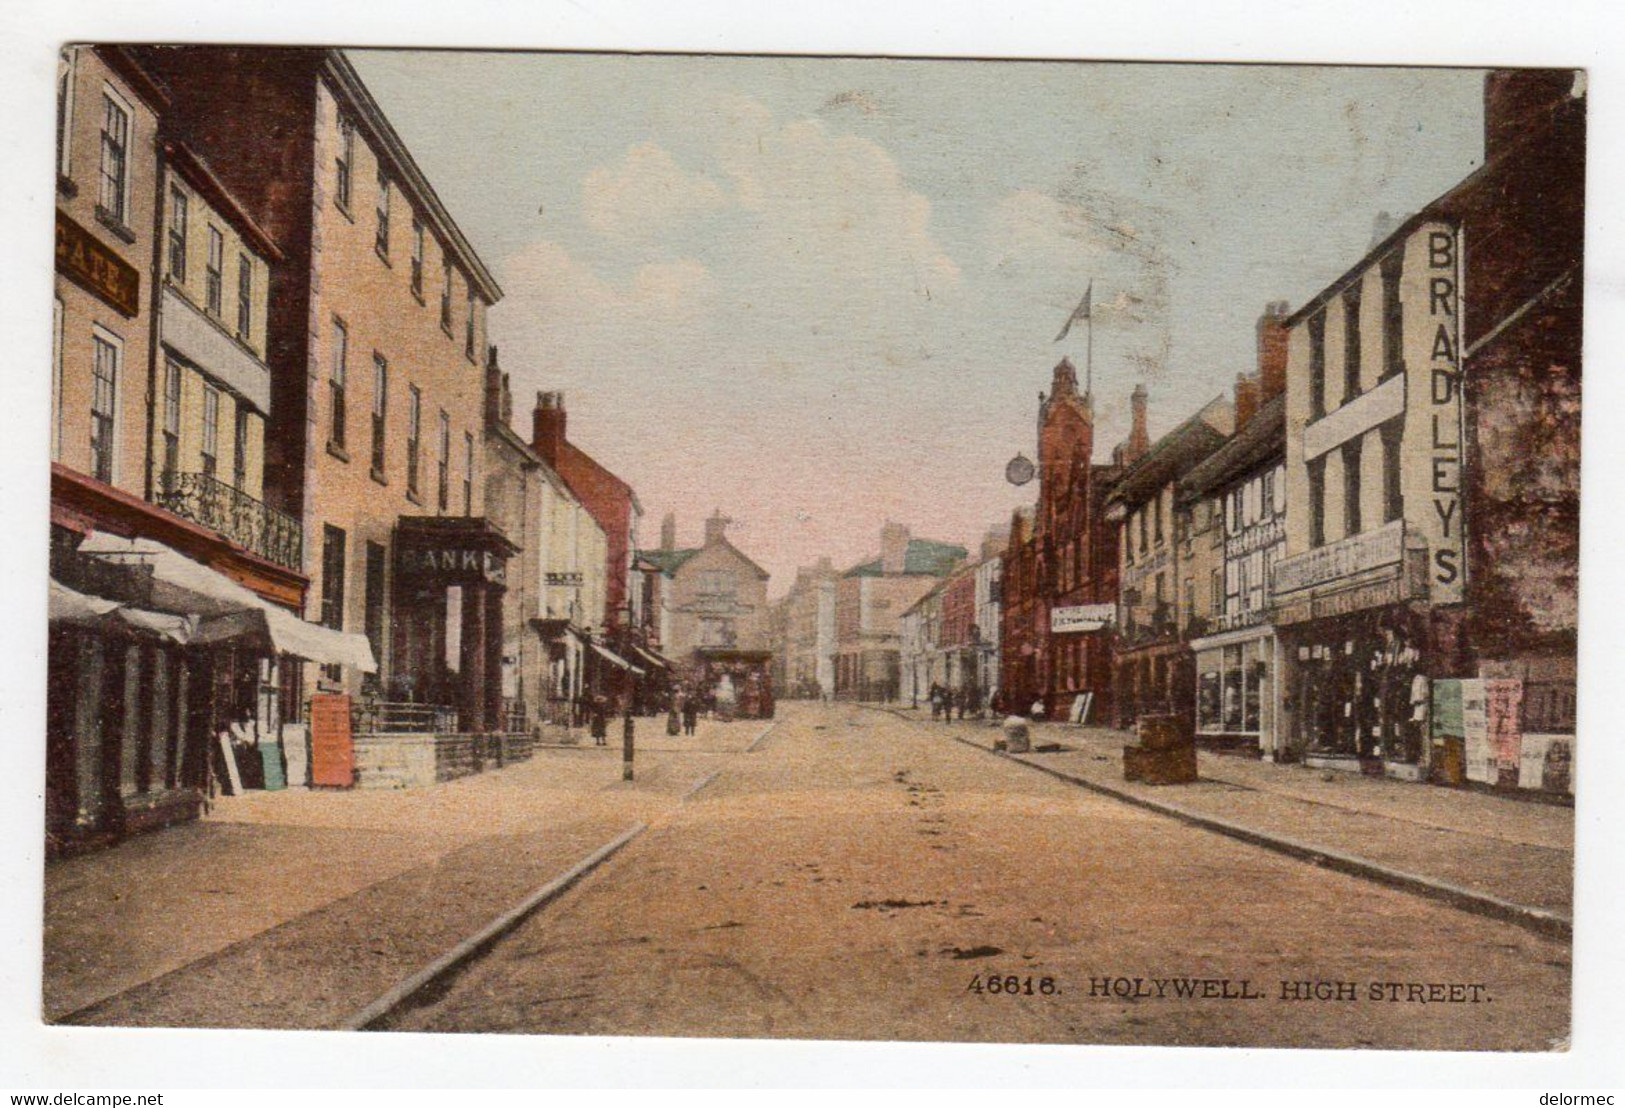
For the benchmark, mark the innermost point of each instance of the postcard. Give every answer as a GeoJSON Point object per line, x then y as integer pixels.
{"type": "Point", "coordinates": [837, 548]}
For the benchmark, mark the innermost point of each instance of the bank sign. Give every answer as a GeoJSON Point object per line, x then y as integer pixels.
{"type": "Point", "coordinates": [1081, 617]}
{"type": "Point", "coordinates": [1433, 433]}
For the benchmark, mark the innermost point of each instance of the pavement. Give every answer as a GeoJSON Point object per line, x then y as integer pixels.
{"type": "Point", "coordinates": [841, 874]}
{"type": "Point", "coordinates": [296, 908]}
{"type": "Point", "coordinates": [1515, 852]}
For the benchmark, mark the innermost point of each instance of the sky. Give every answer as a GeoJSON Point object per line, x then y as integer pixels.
{"type": "Point", "coordinates": [819, 294]}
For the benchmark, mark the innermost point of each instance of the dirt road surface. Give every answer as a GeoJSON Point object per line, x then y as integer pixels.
{"type": "Point", "coordinates": [859, 876]}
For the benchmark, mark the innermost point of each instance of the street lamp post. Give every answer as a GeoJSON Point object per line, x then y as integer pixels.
{"type": "Point", "coordinates": [627, 724]}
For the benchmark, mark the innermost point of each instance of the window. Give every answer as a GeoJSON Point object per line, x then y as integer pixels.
{"type": "Point", "coordinates": [468, 474]}
{"type": "Point", "coordinates": [1216, 583]}
{"type": "Point", "coordinates": [380, 411]}
{"type": "Point", "coordinates": [1156, 508]}
{"type": "Point", "coordinates": [346, 159]}
{"type": "Point", "coordinates": [115, 169]}
{"type": "Point", "coordinates": [444, 477]}
{"type": "Point", "coordinates": [245, 296]}
{"type": "Point", "coordinates": [1351, 342]}
{"type": "Point", "coordinates": [66, 59]}
{"type": "Point", "coordinates": [1145, 543]}
{"type": "Point", "coordinates": [1393, 492]}
{"type": "Point", "coordinates": [381, 244]}
{"type": "Point", "coordinates": [1393, 351]}
{"type": "Point", "coordinates": [216, 273]}
{"type": "Point", "coordinates": [1267, 494]}
{"type": "Point", "coordinates": [103, 406]}
{"type": "Point", "coordinates": [177, 234]}
{"type": "Point", "coordinates": [335, 382]}
{"type": "Point", "coordinates": [332, 587]}
{"type": "Point", "coordinates": [373, 599]}
{"type": "Point", "coordinates": [445, 293]}
{"type": "Point", "coordinates": [172, 422]}
{"type": "Point", "coordinates": [417, 257]}
{"type": "Point", "coordinates": [239, 449]}
{"type": "Point", "coordinates": [468, 328]}
{"type": "Point", "coordinates": [717, 632]}
{"type": "Point", "coordinates": [1190, 600]}
{"type": "Point", "coordinates": [211, 429]}
{"type": "Point", "coordinates": [1351, 486]}
{"type": "Point", "coordinates": [414, 433]}
{"type": "Point", "coordinates": [1317, 365]}
{"type": "Point", "coordinates": [1317, 501]}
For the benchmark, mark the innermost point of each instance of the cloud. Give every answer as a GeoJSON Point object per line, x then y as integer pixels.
{"type": "Point", "coordinates": [645, 194]}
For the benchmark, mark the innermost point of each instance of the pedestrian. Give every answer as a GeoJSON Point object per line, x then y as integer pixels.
{"type": "Point", "coordinates": [691, 714]}
{"type": "Point", "coordinates": [600, 721]}
{"type": "Point", "coordinates": [674, 713]}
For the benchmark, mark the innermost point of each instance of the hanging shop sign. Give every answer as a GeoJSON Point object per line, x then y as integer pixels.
{"type": "Point", "coordinates": [1081, 617]}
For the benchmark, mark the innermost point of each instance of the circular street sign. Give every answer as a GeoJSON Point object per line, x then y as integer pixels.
{"type": "Point", "coordinates": [1019, 470]}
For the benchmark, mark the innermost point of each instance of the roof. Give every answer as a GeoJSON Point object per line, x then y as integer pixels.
{"type": "Point", "coordinates": [1174, 453]}
{"type": "Point", "coordinates": [668, 561]}
{"type": "Point", "coordinates": [1261, 441]}
{"type": "Point", "coordinates": [349, 83]}
{"type": "Point", "coordinates": [932, 593]}
{"type": "Point", "coordinates": [923, 557]}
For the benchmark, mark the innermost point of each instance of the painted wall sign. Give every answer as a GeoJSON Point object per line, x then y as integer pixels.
{"type": "Point", "coordinates": [1434, 424]}
{"type": "Point", "coordinates": [1481, 765]}
{"type": "Point", "coordinates": [452, 564]}
{"type": "Point", "coordinates": [92, 265]}
{"type": "Point", "coordinates": [1344, 558]}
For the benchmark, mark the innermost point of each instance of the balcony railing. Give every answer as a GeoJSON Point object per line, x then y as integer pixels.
{"type": "Point", "coordinates": [256, 527]}
{"type": "Point", "coordinates": [393, 717]}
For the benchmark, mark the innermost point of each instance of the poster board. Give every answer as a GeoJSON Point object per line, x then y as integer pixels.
{"type": "Point", "coordinates": [1503, 708]}
{"type": "Point", "coordinates": [1475, 730]}
{"type": "Point", "coordinates": [332, 750]}
{"type": "Point", "coordinates": [1081, 705]}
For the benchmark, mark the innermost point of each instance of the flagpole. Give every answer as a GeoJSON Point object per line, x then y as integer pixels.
{"type": "Point", "coordinates": [1089, 356]}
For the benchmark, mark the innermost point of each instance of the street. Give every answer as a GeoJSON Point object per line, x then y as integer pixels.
{"type": "Point", "coordinates": [859, 876]}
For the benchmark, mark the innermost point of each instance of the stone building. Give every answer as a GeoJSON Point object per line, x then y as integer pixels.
{"type": "Point", "coordinates": [809, 632]}
{"type": "Point", "coordinates": [1432, 472]}
{"type": "Point", "coordinates": [376, 345]}
{"type": "Point", "coordinates": [870, 599]}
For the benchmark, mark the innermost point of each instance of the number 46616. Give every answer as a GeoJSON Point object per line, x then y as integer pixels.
{"type": "Point", "coordinates": [1012, 984]}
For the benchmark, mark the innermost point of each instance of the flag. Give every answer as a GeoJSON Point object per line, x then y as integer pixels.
{"type": "Point", "coordinates": [1079, 313]}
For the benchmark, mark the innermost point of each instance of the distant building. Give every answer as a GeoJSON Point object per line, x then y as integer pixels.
{"type": "Point", "coordinates": [1059, 570]}
{"type": "Point", "coordinates": [870, 598]}
{"type": "Point", "coordinates": [808, 643]}
{"type": "Point", "coordinates": [714, 619]}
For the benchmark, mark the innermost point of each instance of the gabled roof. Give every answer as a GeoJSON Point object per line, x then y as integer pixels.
{"type": "Point", "coordinates": [1261, 441]}
{"type": "Point", "coordinates": [923, 557]}
{"type": "Point", "coordinates": [1175, 453]}
{"type": "Point", "coordinates": [668, 561]}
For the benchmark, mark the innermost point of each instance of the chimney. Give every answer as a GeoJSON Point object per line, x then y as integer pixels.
{"type": "Point", "coordinates": [716, 527]}
{"type": "Point", "coordinates": [507, 399]}
{"type": "Point", "coordinates": [1518, 101]}
{"type": "Point", "coordinates": [1139, 440]}
{"type": "Point", "coordinates": [1272, 347]}
{"type": "Point", "coordinates": [668, 532]}
{"type": "Point", "coordinates": [993, 543]}
{"type": "Point", "coordinates": [547, 435]}
{"type": "Point", "coordinates": [1246, 399]}
{"type": "Point", "coordinates": [893, 548]}
{"type": "Point", "coordinates": [493, 389]}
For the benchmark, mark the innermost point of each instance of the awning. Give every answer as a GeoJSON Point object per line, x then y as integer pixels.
{"type": "Point", "coordinates": [78, 609]}
{"type": "Point", "coordinates": [615, 659]}
{"type": "Point", "coordinates": [652, 657]}
{"type": "Point", "coordinates": [225, 610]}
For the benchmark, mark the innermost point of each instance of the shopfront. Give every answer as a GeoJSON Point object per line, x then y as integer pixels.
{"type": "Point", "coordinates": [450, 575]}
{"type": "Point", "coordinates": [1236, 689]}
